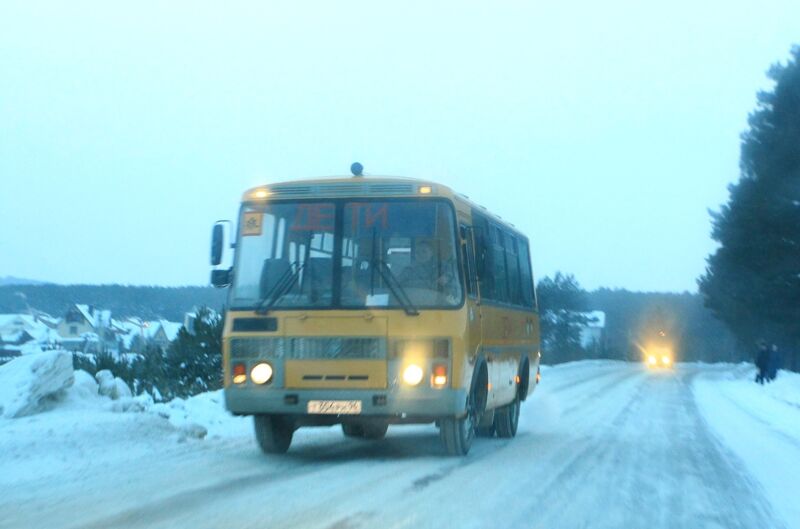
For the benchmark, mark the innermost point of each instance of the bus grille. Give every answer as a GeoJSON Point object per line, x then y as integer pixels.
{"type": "Point", "coordinates": [335, 348]}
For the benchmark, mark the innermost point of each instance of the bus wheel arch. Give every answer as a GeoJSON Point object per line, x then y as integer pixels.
{"type": "Point", "coordinates": [524, 378]}
{"type": "Point", "coordinates": [479, 389]}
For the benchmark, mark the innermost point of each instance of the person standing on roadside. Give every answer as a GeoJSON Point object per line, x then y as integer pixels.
{"type": "Point", "coordinates": [762, 359]}
{"type": "Point", "coordinates": [773, 363]}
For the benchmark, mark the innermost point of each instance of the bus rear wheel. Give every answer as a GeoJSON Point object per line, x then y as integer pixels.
{"type": "Point", "coordinates": [372, 431]}
{"type": "Point", "coordinates": [375, 431]}
{"type": "Point", "coordinates": [506, 419]}
{"type": "Point", "coordinates": [273, 433]}
{"type": "Point", "coordinates": [352, 430]}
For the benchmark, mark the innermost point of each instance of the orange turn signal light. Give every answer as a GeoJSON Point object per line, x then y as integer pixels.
{"type": "Point", "coordinates": [239, 373]}
{"type": "Point", "coordinates": [439, 375]}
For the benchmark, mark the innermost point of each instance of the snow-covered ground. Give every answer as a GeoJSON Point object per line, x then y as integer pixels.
{"type": "Point", "coordinates": [601, 444]}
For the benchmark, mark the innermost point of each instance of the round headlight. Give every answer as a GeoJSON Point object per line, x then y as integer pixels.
{"type": "Point", "coordinates": [651, 360]}
{"type": "Point", "coordinates": [412, 375]}
{"type": "Point", "coordinates": [261, 373]}
{"type": "Point", "coordinates": [666, 360]}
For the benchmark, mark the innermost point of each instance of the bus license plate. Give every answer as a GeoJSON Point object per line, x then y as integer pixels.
{"type": "Point", "coordinates": [335, 407]}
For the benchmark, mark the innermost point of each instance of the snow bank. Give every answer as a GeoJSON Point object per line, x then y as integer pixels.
{"type": "Point", "coordinates": [46, 381]}
{"type": "Point", "coordinates": [29, 383]}
{"type": "Point", "coordinates": [206, 411]}
{"type": "Point", "coordinates": [113, 387]}
{"type": "Point", "coordinates": [760, 425]}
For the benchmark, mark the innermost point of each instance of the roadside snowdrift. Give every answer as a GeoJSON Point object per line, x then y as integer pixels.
{"type": "Point", "coordinates": [760, 425]}
{"type": "Point", "coordinates": [31, 383]}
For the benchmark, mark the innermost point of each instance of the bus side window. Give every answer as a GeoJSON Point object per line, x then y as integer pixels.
{"type": "Point", "coordinates": [512, 266]}
{"type": "Point", "coordinates": [499, 270]}
{"type": "Point", "coordinates": [468, 257]}
{"type": "Point", "coordinates": [483, 262]}
{"type": "Point", "coordinates": [526, 277]}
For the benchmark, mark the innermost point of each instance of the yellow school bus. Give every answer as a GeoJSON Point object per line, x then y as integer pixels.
{"type": "Point", "coordinates": [370, 301]}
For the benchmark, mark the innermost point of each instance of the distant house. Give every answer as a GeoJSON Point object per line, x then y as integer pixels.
{"type": "Point", "coordinates": [85, 328]}
{"type": "Point", "coordinates": [78, 320]}
{"type": "Point", "coordinates": [140, 333]}
{"type": "Point", "coordinates": [21, 333]}
{"type": "Point", "coordinates": [593, 332]}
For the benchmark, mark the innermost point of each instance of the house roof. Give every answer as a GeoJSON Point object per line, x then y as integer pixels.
{"type": "Point", "coordinates": [86, 312]}
{"type": "Point", "coordinates": [148, 329]}
{"type": "Point", "coordinates": [597, 319]}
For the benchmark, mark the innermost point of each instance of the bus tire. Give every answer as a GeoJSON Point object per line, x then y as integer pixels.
{"type": "Point", "coordinates": [375, 431]}
{"type": "Point", "coordinates": [273, 433]}
{"type": "Point", "coordinates": [457, 433]}
{"type": "Point", "coordinates": [352, 430]}
{"type": "Point", "coordinates": [485, 431]}
{"type": "Point", "coordinates": [506, 419]}
{"type": "Point", "coordinates": [485, 427]}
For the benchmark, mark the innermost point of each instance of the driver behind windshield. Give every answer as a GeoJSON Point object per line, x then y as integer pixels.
{"type": "Point", "coordinates": [426, 271]}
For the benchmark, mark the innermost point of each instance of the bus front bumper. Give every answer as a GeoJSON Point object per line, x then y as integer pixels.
{"type": "Point", "coordinates": [417, 403]}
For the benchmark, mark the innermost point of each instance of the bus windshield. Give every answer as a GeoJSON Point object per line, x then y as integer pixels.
{"type": "Point", "coordinates": [347, 254]}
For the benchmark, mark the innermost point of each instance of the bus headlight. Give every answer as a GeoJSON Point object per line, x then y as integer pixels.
{"type": "Point", "coordinates": [261, 373]}
{"type": "Point", "coordinates": [412, 375]}
{"type": "Point", "coordinates": [666, 360]}
{"type": "Point", "coordinates": [651, 359]}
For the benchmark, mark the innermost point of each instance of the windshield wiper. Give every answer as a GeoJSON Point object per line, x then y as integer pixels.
{"type": "Point", "coordinates": [394, 285]}
{"type": "Point", "coordinates": [281, 287]}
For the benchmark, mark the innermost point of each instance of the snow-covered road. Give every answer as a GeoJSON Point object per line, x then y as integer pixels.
{"type": "Point", "coordinates": [601, 444]}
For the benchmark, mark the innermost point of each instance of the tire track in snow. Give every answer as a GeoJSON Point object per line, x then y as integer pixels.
{"type": "Point", "coordinates": [656, 465]}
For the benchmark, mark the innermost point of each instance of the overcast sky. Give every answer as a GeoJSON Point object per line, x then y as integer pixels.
{"type": "Point", "coordinates": [603, 130]}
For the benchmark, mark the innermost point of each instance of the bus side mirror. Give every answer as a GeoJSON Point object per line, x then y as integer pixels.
{"type": "Point", "coordinates": [219, 237]}
{"type": "Point", "coordinates": [221, 278]}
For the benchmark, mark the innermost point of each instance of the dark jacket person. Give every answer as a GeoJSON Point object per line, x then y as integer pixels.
{"type": "Point", "coordinates": [762, 361]}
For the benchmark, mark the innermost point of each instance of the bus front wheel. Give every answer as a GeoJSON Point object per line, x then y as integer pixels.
{"type": "Point", "coordinates": [457, 433]}
{"type": "Point", "coordinates": [273, 433]}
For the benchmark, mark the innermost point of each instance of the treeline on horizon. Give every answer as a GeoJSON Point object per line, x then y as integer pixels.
{"type": "Point", "coordinates": [632, 321]}
{"type": "Point", "coordinates": [702, 337]}
{"type": "Point", "coordinates": [147, 302]}
{"type": "Point", "coordinates": [695, 333]}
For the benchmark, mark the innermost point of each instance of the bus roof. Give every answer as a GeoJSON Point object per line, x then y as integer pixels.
{"type": "Point", "coordinates": [363, 186]}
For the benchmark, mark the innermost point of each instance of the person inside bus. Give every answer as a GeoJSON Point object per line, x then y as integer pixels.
{"type": "Point", "coordinates": [427, 271]}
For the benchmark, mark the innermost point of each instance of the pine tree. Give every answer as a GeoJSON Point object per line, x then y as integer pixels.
{"type": "Point", "coordinates": [150, 371]}
{"type": "Point", "coordinates": [752, 282]}
{"type": "Point", "coordinates": [562, 307]}
{"type": "Point", "coordinates": [194, 360]}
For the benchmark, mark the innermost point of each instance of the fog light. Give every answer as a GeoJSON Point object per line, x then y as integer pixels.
{"type": "Point", "coordinates": [412, 375]}
{"type": "Point", "coordinates": [439, 375]}
{"type": "Point", "coordinates": [261, 373]}
{"type": "Point", "coordinates": [239, 374]}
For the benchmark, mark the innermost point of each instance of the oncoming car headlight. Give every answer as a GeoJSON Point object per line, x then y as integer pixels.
{"type": "Point", "coordinates": [261, 373]}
